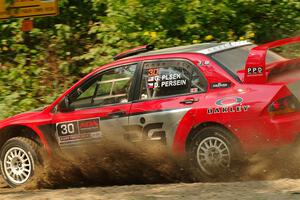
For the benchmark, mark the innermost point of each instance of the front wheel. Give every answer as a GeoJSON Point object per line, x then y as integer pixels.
{"type": "Point", "coordinates": [18, 160]}
{"type": "Point", "coordinates": [212, 152]}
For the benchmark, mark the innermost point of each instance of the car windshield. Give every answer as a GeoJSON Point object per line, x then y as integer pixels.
{"type": "Point", "coordinates": [235, 59]}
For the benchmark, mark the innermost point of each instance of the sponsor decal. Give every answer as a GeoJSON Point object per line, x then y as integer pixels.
{"type": "Point", "coordinates": [255, 71]}
{"type": "Point", "coordinates": [206, 62]}
{"type": "Point", "coordinates": [228, 109]}
{"type": "Point", "coordinates": [194, 90]}
{"type": "Point", "coordinates": [220, 85]}
{"type": "Point", "coordinates": [72, 131]}
{"type": "Point", "coordinates": [202, 63]}
{"type": "Point", "coordinates": [151, 131]}
{"type": "Point", "coordinates": [89, 125]}
{"type": "Point", "coordinates": [228, 105]}
{"type": "Point", "coordinates": [229, 101]}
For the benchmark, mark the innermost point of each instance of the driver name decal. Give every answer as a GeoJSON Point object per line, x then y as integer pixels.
{"type": "Point", "coordinates": [165, 80]}
{"type": "Point", "coordinates": [171, 80]}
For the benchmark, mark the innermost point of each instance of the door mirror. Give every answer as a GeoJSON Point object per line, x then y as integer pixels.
{"type": "Point", "coordinates": [64, 105]}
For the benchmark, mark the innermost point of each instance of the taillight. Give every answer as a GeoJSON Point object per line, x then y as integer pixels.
{"type": "Point", "coordinates": [284, 105]}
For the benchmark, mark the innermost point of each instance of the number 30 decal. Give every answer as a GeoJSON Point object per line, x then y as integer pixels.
{"type": "Point", "coordinates": [67, 129]}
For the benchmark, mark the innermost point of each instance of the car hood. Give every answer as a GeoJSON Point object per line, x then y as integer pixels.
{"type": "Point", "coordinates": [24, 117]}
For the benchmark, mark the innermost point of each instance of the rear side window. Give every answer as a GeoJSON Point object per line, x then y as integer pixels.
{"type": "Point", "coordinates": [171, 77]}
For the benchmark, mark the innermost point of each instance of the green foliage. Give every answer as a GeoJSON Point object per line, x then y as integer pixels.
{"type": "Point", "coordinates": [36, 67]}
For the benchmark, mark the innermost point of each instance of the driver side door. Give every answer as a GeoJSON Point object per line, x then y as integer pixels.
{"type": "Point", "coordinates": [97, 108]}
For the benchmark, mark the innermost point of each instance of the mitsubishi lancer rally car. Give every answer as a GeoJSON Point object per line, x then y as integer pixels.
{"type": "Point", "coordinates": [210, 102]}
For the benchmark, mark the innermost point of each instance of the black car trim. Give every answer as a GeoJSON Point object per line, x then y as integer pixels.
{"type": "Point", "coordinates": [48, 131]}
{"type": "Point", "coordinates": [135, 89]}
{"type": "Point", "coordinates": [141, 113]}
{"type": "Point", "coordinates": [226, 69]}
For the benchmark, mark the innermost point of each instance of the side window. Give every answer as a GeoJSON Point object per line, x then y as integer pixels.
{"type": "Point", "coordinates": [173, 77]}
{"type": "Point", "coordinates": [109, 87]}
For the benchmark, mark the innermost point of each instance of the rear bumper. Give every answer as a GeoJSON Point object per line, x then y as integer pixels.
{"type": "Point", "coordinates": [287, 127]}
{"type": "Point", "coordinates": [265, 132]}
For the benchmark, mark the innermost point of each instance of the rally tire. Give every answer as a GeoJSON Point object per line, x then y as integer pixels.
{"type": "Point", "coordinates": [211, 153]}
{"type": "Point", "coordinates": [19, 157]}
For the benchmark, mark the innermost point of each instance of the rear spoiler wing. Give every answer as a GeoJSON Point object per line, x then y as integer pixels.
{"type": "Point", "coordinates": [255, 70]}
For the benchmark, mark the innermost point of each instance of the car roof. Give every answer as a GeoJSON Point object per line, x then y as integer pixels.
{"type": "Point", "coordinates": [204, 48]}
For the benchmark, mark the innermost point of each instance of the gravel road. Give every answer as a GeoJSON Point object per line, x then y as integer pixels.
{"type": "Point", "coordinates": [283, 189]}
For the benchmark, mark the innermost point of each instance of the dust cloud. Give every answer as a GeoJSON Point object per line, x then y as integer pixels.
{"type": "Point", "coordinates": [276, 164]}
{"type": "Point", "coordinates": [115, 163]}
{"type": "Point", "coordinates": [110, 163]}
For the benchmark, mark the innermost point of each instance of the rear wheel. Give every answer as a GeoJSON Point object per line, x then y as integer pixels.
{"type": "Point", "coordinates": [212, 152]}
{"type": "Point", "coordinates": [19, 156]}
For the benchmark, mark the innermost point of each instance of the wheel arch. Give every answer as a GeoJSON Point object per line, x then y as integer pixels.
{"type": "Point", "coordinates": [11, 131]}
{"type": "Point", "coordinates": [200, 126]}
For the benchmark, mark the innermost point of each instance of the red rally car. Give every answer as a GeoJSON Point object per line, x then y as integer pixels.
{"type": "Point", "coordinates": [211, 102]}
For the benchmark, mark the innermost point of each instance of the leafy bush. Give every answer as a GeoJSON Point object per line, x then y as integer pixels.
{"type": "Point", "coordinates": [36, 67]}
